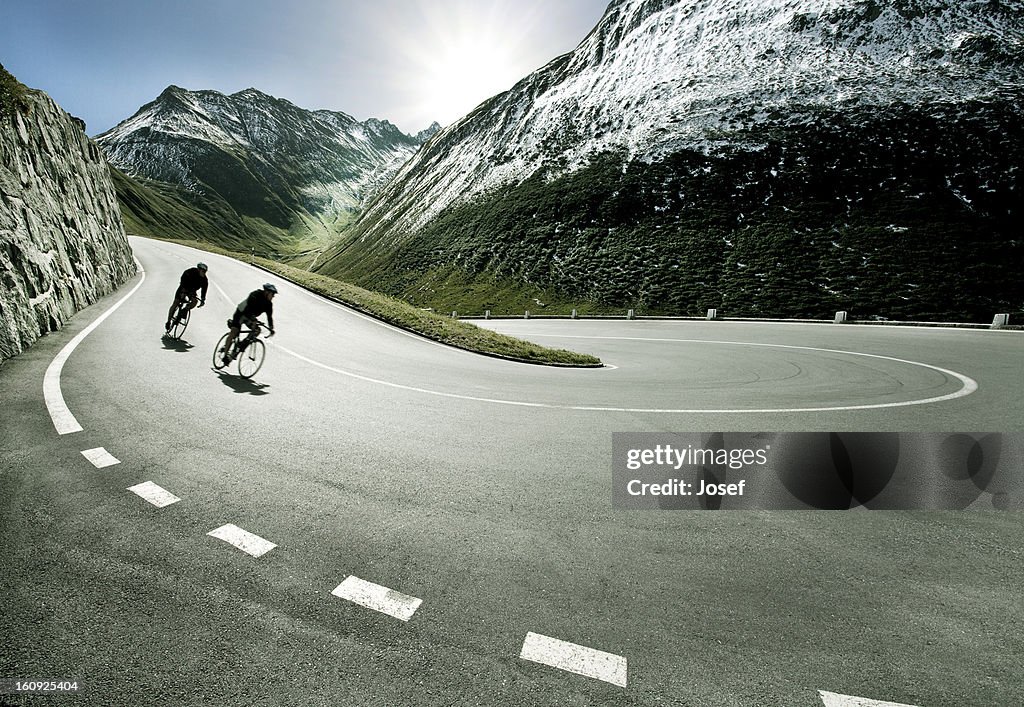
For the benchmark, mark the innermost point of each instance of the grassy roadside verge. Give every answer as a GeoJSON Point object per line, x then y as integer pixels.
{"type": "Point", "coordinates": [430, 325]}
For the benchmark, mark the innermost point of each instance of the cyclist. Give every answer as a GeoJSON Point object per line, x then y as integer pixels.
{"type": "Point", "coordinates": [192, 280]}
{"type": "Point", "coordinates": [258, 302]}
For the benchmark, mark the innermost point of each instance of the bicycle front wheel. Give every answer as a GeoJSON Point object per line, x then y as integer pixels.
{"type": "Point", "coordinates": [218, 356]}
{"type": "Point", "coordinates": [250, 360]}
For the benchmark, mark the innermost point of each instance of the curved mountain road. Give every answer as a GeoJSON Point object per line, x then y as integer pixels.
{"type": "Point", "coordinates": [371, 458]}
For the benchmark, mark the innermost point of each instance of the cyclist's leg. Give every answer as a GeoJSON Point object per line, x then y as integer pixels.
{"type": "Point", "coordinates": [234, 326]}
{"type": "Point", "coordinates": [188, 301]}
{"type": "Point", "coordinates": [174, 308]}
{"type": "Point", "coordinates": [254, 332]}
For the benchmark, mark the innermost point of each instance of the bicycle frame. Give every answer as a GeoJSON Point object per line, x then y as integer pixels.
{"type": "Point", "coordinates": [251, 334]}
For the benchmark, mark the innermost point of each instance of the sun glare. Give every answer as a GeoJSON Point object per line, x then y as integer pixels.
{"type": "Point", "coordinates": [462, 53]}
{"type": "Point", "coordinates": [465, 73]}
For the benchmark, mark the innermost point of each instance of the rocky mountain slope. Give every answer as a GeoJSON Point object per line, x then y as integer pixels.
{"type": "Point", "coordinates": [62, 245]}
{"type": "Point", "coordinates": [249, 169]}
{"type": "Point", "coordinates": [766, 157]}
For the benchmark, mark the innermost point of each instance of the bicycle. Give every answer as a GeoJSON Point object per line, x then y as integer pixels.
{"type": "Point", "coordinates": [248, 349]}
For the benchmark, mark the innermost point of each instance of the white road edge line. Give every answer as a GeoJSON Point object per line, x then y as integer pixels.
{"type": "Point", "coordinates": [573, 658]}
{"type": "Point", "coordinates": [969, 384]}
{"type": "Point", "coordinates": [378, 598]}
{"type": "Point", "coordinates": [242, 539]}
{"type": "Point", "coordinates": [100, 457]}
{"type": "Point", "coordinates": [154, 494]}
{"type": "Point", "coordinates": [831, 699]}
{"type": "Point", "coordinates": [63, 420]}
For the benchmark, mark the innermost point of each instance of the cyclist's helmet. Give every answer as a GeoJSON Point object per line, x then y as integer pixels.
{"type": "Point", "coordinates": [202, 266]}
{"type": "Point", "coordinates": [270, 288]}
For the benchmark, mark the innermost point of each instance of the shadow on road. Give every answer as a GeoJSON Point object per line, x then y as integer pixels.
{"type": "Point", "coordinates": [242, 385]}
{"type": "Point", "coordinates": [179, 345]}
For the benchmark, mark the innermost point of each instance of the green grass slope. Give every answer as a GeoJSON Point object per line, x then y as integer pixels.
{"type": "Point", "coordinates": [156, 209]}
{"type": "Point", "coordinates": [436, 327]}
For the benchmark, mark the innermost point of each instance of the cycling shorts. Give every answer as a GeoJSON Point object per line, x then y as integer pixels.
{"type": "Point", "coordinates": [185, 295]}
{"type": "Point", "coordinates": [241, 318]}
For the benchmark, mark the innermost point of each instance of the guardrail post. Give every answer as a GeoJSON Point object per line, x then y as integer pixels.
{"type": "Point", "coordinates": [487, 314]}
{"type": "Point", "coordinates": [840, 318]}
{"type": "Point", "coordinates": [1000, 321]}
{"type": "Point", "coordinates": [455, 315]}
{"type": "Point", "coordinates": [574, 315]}
{"type": "Point", "coordinates": [712, 314]}
{"type": "Point", "coordinates": [527, 315]}
{"type": "Point", "coordinates": [630, 314]}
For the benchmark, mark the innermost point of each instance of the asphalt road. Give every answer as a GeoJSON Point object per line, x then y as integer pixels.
{"type": "Point", "coordinates": [482, 488]}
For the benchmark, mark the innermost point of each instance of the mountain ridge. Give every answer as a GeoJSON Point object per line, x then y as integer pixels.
{"type": "Point", "coordinates": [718, 82]}
{"type": "Point", "coordinates": [693, 109]}
{"type": "Point", "coordinates": [260, 162]}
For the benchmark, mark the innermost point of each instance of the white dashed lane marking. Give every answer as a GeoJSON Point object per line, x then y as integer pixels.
{"type": "Point", "coordinates": [373, 596]}
{"type": "Point", "coordinates": [100, 457]}
{"type": "Point", "coordinates": [243, 540]}
{"type": "Point", "coordinates": [572, 658]}
{"type": "Point", "coordinates": [156, 495]}
{"type": "Point", "coordinates": [832, 699]}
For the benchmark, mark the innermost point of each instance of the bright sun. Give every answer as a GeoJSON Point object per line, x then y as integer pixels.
{"type": "Point", "coordinates": [464, 54]}
{"type": "Point", "coordinates": [465, 73]}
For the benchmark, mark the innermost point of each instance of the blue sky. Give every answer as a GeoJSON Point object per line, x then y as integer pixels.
{"type": "Point", "coordinates": [407, 61]}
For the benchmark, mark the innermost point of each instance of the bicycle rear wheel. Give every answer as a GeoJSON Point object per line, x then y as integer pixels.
{"type": "Point", "coordinates": [250, 360]}
{"type": "Point", "coordinates": [218, 357]}
{"type": "Point", "coordinates": [180, 322]}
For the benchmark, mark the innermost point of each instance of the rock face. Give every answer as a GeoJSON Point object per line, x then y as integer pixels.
{"type": "Point", "coordinates": [62, 242]}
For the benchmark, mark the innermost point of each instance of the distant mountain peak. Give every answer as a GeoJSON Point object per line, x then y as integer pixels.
{"type": "Point", "coordinates": [252, 92]}
{"type": "Point", "coordinates": [429, 132]}
{"type": "Point", "coordinates": [172, 90]}
{"type": "Point", "coordinates": [265, 157]}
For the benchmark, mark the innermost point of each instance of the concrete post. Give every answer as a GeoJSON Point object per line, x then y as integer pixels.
{"type": "Point", "coordinates": [1000, 321]}
{"type": "Point", "coordinates": [574, 315]}
{"type": "Point", "coordinates": [840, 318]}
{"type": "Point", "coordinates": [527, 315]}
{"type": "Point", "coordinates": [712, 314]}
{"type": "Point", "coordinates": [487, 314]}
{"type": "Point", "coordinates": [630, 314]}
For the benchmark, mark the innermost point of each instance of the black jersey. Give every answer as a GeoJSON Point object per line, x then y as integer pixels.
{"type": "Point", "coordinates": [194, 279]}
{"type": "Point", "coordinates": [258, 303]}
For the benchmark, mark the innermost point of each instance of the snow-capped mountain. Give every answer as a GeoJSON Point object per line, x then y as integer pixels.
{"type": "Point", "coordinates": [779, 92]}
{"type": "Point", "coordinates": [657, 75]}
{"type": "Point", "coordinates": [262, 156]}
